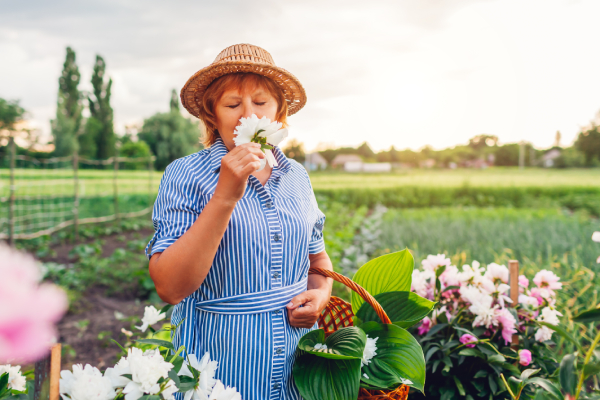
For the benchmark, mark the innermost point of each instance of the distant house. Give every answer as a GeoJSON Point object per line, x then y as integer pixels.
{"type": "Point", "coordinates": [314, 161]}
{"type": "Point", "coordinates": [477, 163]}
{"type": "Point", "coordinates": [429, 163]}
{"type": "Point", "coordinates": [548, 159]}
{"type": "Point", "coordinates": [377, 167]}
{"type": "Point", "coordinates": [342, 159]}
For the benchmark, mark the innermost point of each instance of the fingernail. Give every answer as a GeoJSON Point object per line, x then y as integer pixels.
{"type": "Point", "coordinates": [290, 304]}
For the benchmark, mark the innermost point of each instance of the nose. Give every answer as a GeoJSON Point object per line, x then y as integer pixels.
{"type": "Point", "coordinates": [247, 106]}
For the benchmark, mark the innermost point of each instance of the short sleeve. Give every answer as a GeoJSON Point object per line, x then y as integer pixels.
{"type": "Point", "coordinates": [317, 243]}
{"type": "Point", "coordinates": [176, 207]}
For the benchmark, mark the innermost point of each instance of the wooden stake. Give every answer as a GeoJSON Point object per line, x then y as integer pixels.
{"type": "Point", "coordinates": [513, 279]}
{"type": "Point", "coordinates": [47, 376]}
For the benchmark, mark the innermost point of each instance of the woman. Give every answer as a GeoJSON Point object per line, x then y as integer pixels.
{"type": "Point", "coordinates": [233, 245]}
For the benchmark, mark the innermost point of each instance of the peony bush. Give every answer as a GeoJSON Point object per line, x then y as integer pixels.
{"type": "Point", "coordinates": [467, 338]}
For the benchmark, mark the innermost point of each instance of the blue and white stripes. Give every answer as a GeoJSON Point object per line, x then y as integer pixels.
{"type": "Point", "coordinates": [238, 314]}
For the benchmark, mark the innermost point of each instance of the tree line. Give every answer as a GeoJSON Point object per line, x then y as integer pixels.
{"type": "Point", "coordinates": [167, 136]}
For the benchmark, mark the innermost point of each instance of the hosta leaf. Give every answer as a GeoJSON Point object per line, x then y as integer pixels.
{"type": "Point", "coordinates": [568, 375]}
{"type": "Point", "coordinates": [345, 343]}
{"type": "Point", "coordinates": [404, 308]}
{"type": "Point", "coordinates": [157, 342]}
{"type": "Point", "coordinates": [388, 273]}
{"type": "Point", "coordinates": [399, 358]}
{"type": "Point", "coordinates": [547, 385]}
{"type": "Point", "coordinates": [319, 378]}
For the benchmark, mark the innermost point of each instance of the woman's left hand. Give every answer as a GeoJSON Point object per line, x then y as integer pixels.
{"type": "Point", "coordinates": [313, 302]}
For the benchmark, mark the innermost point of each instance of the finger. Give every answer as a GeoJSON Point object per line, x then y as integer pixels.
{"type": "Point", "coordinates": [248, 148]}
{"type": "Point", "coordinates": [298, 300]}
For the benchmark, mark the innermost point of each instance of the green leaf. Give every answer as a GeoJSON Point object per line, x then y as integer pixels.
{"type": "Point", "coordinates": [166, 308]}
{"type": "Point", "coordinates": [4, 380]}
{"type": "Point", "coordinates": [162, 343]}
{"type": "Point", "coordinates": [548, 386]}
{"type": "Point", "coordinates": [265, 147]}
{"type": "Point", "coordinates": [590, 369]}
{"type": "Point", "coordinates": [459, 386]}
{"type": "Point", "coordinates": [559, 329]}
{"type": "Point", "coordinates": [529, 373]}
{"type": "Point", "coordinates": [174, 377]}
{"type": "Point", "coordinates": [404, 308]}
{"type": "Point", "coordinates": [388, 273]}
{"type": "Point", "coordinates": [567, 375]}
{"type": "Point", "coordinates": [471, 352]}
{"type": "Point", "coordinates": [399, 358]}
{"type": "Point", "coordinates": [319, 378]}
{"type": "Point", "coordinates": [345, 343]}
{"type": "Point", "coordinates": [496, 358]}
{"type": "Point", "coordinates": [588, 316]}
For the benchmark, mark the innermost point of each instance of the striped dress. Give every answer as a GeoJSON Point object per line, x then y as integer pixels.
{"type": "Point", "coordinates": [238, 313]}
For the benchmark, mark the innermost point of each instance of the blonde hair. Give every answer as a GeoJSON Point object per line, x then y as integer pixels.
{"type": "Point", "coordinates": [242, 81]}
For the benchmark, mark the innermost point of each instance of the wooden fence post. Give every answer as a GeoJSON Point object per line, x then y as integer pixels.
{"type": "Point", "coordinates": [115, 185]}
{"type": "Point", "coordinates": [150, 169]}
{"type": "Point", "coordinates": [47, 376]}
{"type": "Point", "coordinates": [12, 188]}
{"type": "Point", "coordinates": [76, 201]}
{"type": "Point", "coordinates": [513, 279]}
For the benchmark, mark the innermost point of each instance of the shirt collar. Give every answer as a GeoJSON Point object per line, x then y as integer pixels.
{"type": "Point", "coordinates": [218, 151]}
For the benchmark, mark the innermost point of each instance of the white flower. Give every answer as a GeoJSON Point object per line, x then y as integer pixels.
{"type": "Point", "coordinates": [271, 131]}
{"type": "Point", "coordinates": [470, 273]}
{"type": "Point", "coordinates": [405, 381]}
{"type": "Point", "coordinates": [16, 381]}
{"type": "Point", "coordinates": [169, 390]}
{"type": "Point", "coordinates": [151, 316]}
{"type": "Point", "coordinates": [495, 271]}
{"type": "Point", "coordinates": [219, 392]}
{"type": "Point", "coordinates": [369, 352]}
{"type": "Point", "coordinates": [528, 301]}
{"type": "Point", "coordinates": [550, 316]}
{"type": "Point", "coordinates": [501, 292]}
{"type": "Point", "coordinates": [431, 263]}
{"type": "Point", "coordinates": [206, 381]}
{"type": "Point", "coordinates": [146, 368]}
{"type": "Point", "coordinates": [322, 347]}
{"type": "Point", "coordinates": [86, 384]}
{"type": "Point", "coordinates": [481, 305]}
{"type": "Point", "coordinates": [596, 236]}
{"type": "Point", "coordinates": [422, 283]}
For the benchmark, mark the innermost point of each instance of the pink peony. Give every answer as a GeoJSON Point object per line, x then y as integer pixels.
{"type": "Point", "coordinates": [27, 319]}
{"type": "Point", "coordinates": [523, 283]}
{"type": "Point", "coordinates": [468, 340]}
{"type": "Point", "coordinates": [425, 326]}
{"type": "Point", "coordinates": [508, 322]}
{"type": "Point", "coordinates": [547, 280]}
{"type": "Point", "coordinates": [524, 357]}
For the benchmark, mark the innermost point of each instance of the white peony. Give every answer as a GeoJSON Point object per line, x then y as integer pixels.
{"type": "Point", "coordinates": [550, 316]}
{"type": "Point", "coordinates": [219, 392]}
{"type": "Point", "coordinates": [497, 273]}
{"type": "Point", "coordinates": [431, 263]}
{"type": "Point", "coordinates": [481, 305]}
{"type": "Point", "coordinates": [85, 384]}
{"type": "Point", "coordinates": [206, 381]}
{"type": "Point", "coordinates": [253, 129]}
{"type": "Point", "coordinates": [146, 368]}
{"type": "Point", "coordinates": [422, 283]}
{"type": "Point", "coordinates": [169, 390]}
{"type": "Point", "coordinates": [151, 316]}
{"type": "Point", "coordinates": [528, 301]}
{"type": "Point", "coordinates": [369, 352]}
{"type": "Point", "coordinates": [596, 236]}
{"type": "Point", "coordinates": [16, 381]}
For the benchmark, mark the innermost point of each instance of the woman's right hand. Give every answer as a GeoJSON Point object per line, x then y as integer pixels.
{"type": "Point", "coordinates": [236, 167]}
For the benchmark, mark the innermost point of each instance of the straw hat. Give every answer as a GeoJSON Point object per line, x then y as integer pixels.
{"type": "Point", "coordinates": [242, 58]}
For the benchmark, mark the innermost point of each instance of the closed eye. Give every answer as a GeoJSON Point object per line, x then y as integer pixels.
{"type": "Point", "coordinates": [232, 106]}
{"type": "Point", "coordinates": [261, 104]}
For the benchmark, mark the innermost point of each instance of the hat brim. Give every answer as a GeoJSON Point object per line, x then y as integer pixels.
{"type": "Point", "coordinates": [194, 89]}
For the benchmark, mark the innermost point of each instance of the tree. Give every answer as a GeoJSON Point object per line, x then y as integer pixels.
{"type": "Point", "coordinates": [67, 124]}
{"type": "Point", "coordinates": [588, 143]}
{"type": "Point", "coordinates": [482, 141]}
{"type": "Point", "coordinates": [139, 149]}
{"type": "Point", "coordinates": [11, 113]}
{"type": "Point", "coordinates": [365, 151]}
{"type": "Point", "coordinates": [174, 100]}
{"type": "Point", "coordinates": [295, 149]}
{"type": "Point", "coordinates": [170, 135]}
{"type": "Point", "coordinates": [99, 139]}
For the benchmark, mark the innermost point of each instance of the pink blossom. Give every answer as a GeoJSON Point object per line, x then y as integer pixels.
{"type": "Point", "coordinates": [30, 309]}
{"type": "Point", "coordinates": [539, 294]}
{"type": "Point", "coordinates": [508, 322]}
{"type": "Point", "coordinates": [497, 273]}
{"type": "Point", "coordinates": [468, 340]}
{"type": "Point", "coordinates": [431, 263]}
{"type": "Point", "coordinates": [547, 280]}
{"type": "Point", "coordinates": [425, 326]}
{"type": "Point", "coordinates": [524, 357]}
{"type": "Point", "coordinates": [523, 281]}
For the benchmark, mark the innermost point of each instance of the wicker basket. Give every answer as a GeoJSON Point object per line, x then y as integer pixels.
{"type": "Point", "coordinates": [338, 314]}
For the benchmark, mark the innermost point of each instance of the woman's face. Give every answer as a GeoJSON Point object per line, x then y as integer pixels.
{"type": "Point", "coordinates": [235, 104]}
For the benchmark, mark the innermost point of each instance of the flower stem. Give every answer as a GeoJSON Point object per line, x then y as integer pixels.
{"type": "Point", "coordinates": [587, 360]}
{"type": "Point", "coordinates": [508, 387]}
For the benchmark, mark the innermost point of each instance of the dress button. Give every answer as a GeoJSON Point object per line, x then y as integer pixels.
{"type": "Point", "coordinates": [279, 350]}
{"type": "Point", "coordinates": [276, 385]}
{"type": "Point", "coordinates": [277, 312]}
{"type": "Point", "coordinates": [277, 237]}
{"type": "Point", "coordinates": [276, 275]}
{"type": "Point", "coordinates": [269, 204]}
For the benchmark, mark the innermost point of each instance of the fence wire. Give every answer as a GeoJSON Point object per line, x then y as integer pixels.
{"type": "Point", "coordinates": [41, 196]}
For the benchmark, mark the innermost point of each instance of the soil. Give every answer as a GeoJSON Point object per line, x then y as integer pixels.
{"type": "Point", "coordinates": [85, 331]}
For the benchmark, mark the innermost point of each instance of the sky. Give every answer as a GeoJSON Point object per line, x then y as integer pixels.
{"type": "Point", "coordinates": [405, 73]}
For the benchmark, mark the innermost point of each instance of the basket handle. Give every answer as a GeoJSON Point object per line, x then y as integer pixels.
{"type": "Point", "coordinates": [354, 286]}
